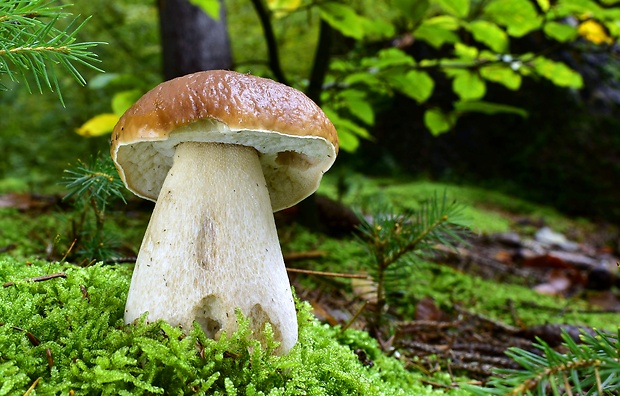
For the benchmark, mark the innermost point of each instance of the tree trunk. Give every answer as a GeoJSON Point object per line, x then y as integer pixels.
{"type": "Point", "coordinates": [191, 40]}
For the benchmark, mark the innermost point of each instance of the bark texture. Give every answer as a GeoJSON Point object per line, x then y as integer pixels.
{"type": "Point", "coordinates": [191, 40]}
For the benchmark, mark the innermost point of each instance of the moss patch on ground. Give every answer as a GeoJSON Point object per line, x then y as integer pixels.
{"type": "Point", "coordinates": [488, 211]}
{"type": "Point", "coordinates": [67, 333]}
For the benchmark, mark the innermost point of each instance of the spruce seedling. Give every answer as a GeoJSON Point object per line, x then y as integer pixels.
{"type": "Point", "coordinates": [394, 240]}
{"type": "Point", "coordinates": [93, 186]}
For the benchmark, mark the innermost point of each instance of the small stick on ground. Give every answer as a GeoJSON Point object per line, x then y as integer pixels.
{"type": "Point", "coordinates": [354, 318]}
{"type": "Point", "coordinates": [330, 274]}
{"type": "Point", "coordinates": [39, 278]}
{"type": "Point", "coordinates": [297, 256]}
{"type": "Point", "coordinates": [34, 385]}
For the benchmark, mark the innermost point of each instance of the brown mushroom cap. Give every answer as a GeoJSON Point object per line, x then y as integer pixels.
{"type": "Point", "coordinates": [295, 141]}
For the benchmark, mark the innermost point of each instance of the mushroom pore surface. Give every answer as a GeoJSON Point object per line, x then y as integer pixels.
{"type": "Point", "coordinates": [211, 246]}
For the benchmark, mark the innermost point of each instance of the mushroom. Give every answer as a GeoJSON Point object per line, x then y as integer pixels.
{"type": "Point", "coordinates": [219, 152]}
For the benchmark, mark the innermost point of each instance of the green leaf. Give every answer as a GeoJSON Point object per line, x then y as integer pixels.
{"type": "Point", "coordinates": [566, 8]}
{"type": "Point", "coordinates": [357, 103]}
{"type": "Point", "coordinates": [468, 85]}
{"type": "Point", "coordinates": [343, 18]}
{"type": "Point", "coordinates": [210, 7]}
{"type": "Point", "coordinates": [465, 52]}
{"type": "Point", "coordinates": [558, 73]}
{"type": "Point", "coordinates": [501, 74]}
{"type": "Point", "coordinates": [435, 36]}
{"type": "Point", "coordinates": [560, 31]}
{"type": "Point", "coordinates": [123, 100]}
{"type": "Point", "coordinates": [388, 58]}
{"type": "Point", "coordinates": [519, 16]}
{"type": "Point", "coordinates": [490, 35]}
{"type": "Point", "coordinates": [438, 30]}
{"type": "Point", "coordinates": [417, 85]}
{"type": "Point", "coordinates": [365, 78]}
{"type": "Point", "coordinates": [412, 10]}
{"type": "Point", "coordinates": [459, 8]}
{"type": "Point", "coordinates": [438, 122]}
{"type": "Point", "coordinates": [349, 133]}
{"type": "Point", "coordinates": [544, 4]}
{"type": "Point", "coordinates": [281, 8]}
{"type": "Point", "coordinates": [443, 21]}
{"type": "Point", "coordinates": [377, 29]}
{"type": "Point", "coordinates": [488, 108]}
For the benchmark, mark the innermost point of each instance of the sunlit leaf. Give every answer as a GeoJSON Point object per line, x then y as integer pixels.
{"type": "Point", "coordinates": [561, 32]}
{"type": "Point", "coordinates": [489, 34]}
{"type": "Point", "coordinates": [439, 122]}
{"type": "Point", "coordinates": [416, 84]}
{"type": "Point", "coordinates": [357, 103]}
{"type": "Point", "coordinates": [123, 100]}
{"type": "Point", "coordinates": [501, 74]}
{"type": "Point", "coordinates": [436, 36]}
{"type": "Point", "coordinates": [566, 8]}
{"type": "Point", "coordinates": [468, 85]}
{"type": "Point", "coordinates": [518, 16]}
{"type": "Point", "coordinates": [100, 124]}
{"type": "Point", "coordinates": [558, 73]}
{"type": "Point", "coordinates": [438, 30]}
{"type": "Point", "coordinates": [443, 21]}
{"type": "Point", "coordinates": [282, 7]}
{"type": "Point", "coordinates": [377, 29]}
{"type": "Point", "coordinates": [459, 8]}
{"type": "Point", "coordinates": [593, 31]}
{"type": "Point", "coordinates": [488, 108]}
{"type": "Point", "coordinates": [465, 52]}
{"type": "Point", "coordinates": [389, 57]}
{"type": "Point", "coordinates": [349, 133]}
{"type": "Point", "coordinates": [210, 7]}
{"type": "Point", "coordinates": [343, 18]}
{"type": "Point", "coordinates": [544, 4]}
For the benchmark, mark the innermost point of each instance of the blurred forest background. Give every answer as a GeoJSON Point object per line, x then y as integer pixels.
{"type": "Point", "coordinates": [521, 96]}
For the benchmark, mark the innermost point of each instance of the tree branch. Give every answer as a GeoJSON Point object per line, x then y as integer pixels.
{"type": "Point", "coordinates": [321, 62]}
{"type": "Point", "coordinates": [270, 38]}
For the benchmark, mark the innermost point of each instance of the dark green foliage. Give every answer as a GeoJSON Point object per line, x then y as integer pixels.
{"type": "Point", "coordinates": [590, 367]}
{"type": "Point", "coordinates": [69, 332]}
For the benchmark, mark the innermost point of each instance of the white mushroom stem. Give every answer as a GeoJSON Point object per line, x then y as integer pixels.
{"type": "Point", "coordinates": [211, 246]}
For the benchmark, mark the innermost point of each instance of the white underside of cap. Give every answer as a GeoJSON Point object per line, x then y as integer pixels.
{"type": "Point", "coordinates": [292, 165]}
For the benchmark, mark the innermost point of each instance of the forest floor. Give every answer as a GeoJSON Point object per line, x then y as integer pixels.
{"type": "Point", "coordinates": [524, 274]}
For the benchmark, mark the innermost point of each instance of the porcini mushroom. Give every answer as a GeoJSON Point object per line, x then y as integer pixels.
{"type": "Point", "coordinates": [219, 151]}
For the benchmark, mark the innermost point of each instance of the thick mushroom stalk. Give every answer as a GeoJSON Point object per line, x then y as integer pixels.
{"type": "Point", "coordinates": [211, 246]}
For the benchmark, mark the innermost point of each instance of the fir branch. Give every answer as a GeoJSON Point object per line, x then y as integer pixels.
{"type": "Point", "coordinates": [33, 47]}
{"type": "Point", "coordinates": [591, 367]}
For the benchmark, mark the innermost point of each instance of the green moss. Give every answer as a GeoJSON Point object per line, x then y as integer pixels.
{"type": "Point", "coordinates": [83, 345]}
{"type": "Point", "coordinates": [488, 211]}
